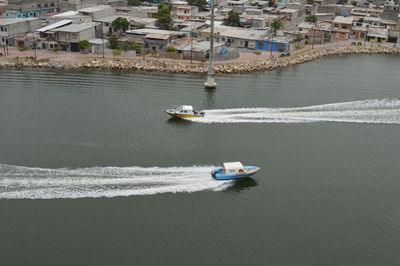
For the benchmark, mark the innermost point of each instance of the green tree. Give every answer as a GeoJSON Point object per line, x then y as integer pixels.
{"type": "Point", "coordinates": [199, 3]}
{"type": "Point", "coordinates": [113, 41]}
{"type": "Point", "coordinates": [134, 2]}
{"type": "Point", "coordinates": [83, 45]}
{"type": "Point", "coordinates": [233, 19]}
{"type": "Point", "coordinates": [276, 25]}
{"type": "Point", "coordinates": [271, 3]}
{"type": "Point", "coordinates": [120, 24]}
{"type": "Point", "coordinates": [311, 18]}
{"type": "Point", "coordinates": [310, 2]}
{"type": "Point", "coordinates": [342, 2]}
{"type": "Point", "coordinates": [164, 20]}
{"type": "Point", "coordinates": [354, 3]}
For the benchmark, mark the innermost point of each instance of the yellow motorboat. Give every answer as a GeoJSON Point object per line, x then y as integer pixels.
{"type": "Point", "coordinates": [184, 111]}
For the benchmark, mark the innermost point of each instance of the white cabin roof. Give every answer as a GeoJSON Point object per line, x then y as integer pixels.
{"type": "Point", "coordinates": [187, 107]}
{"type": "Point", "coordinates": [233, 166]}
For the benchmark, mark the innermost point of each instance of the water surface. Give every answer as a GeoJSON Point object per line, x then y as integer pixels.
{"type": "Point", "coordinates": [94, 173]}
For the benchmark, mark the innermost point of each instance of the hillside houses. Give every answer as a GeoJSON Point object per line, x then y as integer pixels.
{"type": "Point", "coordinates": [321, 22]}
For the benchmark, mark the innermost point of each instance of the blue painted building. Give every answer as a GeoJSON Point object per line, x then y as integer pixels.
{"type": "Point", "coordinates": [277, 46]}
{"type": "Point", "coordinates": [30, 13]}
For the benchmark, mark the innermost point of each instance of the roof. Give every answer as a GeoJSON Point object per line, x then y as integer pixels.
{"type": "Point", "coordinates": [187, 107]}
{"type": "Point", "coordinates": [55, 25]}
{"type": "Point", "coordinates": [98, 41]}
{"type": "Point", "coordinates": [239, 33]}
{"type": "Point", "coordinates": [198, 46]}
{"type": "Point", "coordinates": [66, 14]}
{"type": "Point", "coordinates": [151, 31]}
{"type": "Point", "coordinates": [110, 19]}
{"type": "Point", "coordinates": [233, 166]}
{"type": "Point", "coordinates": [157, 36]}
{"type": "Point", "coordinates": [94, 8]}
{"type": "Point", "coordinates": [78, 27]}
{"type": "Point", "coordinates": [306, 25]}
{"type": "Point", "coordinates": [8, 21]}
{"type": "Point", "coordinates": [343, 20]}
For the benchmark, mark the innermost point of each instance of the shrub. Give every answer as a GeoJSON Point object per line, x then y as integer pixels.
{"type": "Point", "coordinates": [170, 49]}
{"type": "Point", "coordinates": [257, 52]}
{"type": "Point", "coordinates": [116, 52]}
{"type": "Point", "coordinates": [83, 45]}
{"type": "Point", "coordinates": [56, 49]}
{"type": "Point", "coordinates": [22, 48]}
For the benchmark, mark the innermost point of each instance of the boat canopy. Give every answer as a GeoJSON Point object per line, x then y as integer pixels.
{"type": "Point", "coordinates": [235, 166]}
{"type": "Point", "coordinates": [187, 107]}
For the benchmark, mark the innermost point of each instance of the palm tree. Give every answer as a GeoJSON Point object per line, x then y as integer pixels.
{"type": "Point", "coordinates": [276, 25]}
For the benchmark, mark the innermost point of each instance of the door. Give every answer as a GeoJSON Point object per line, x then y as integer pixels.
{"type": "Point", "coordinates": [246, 44]}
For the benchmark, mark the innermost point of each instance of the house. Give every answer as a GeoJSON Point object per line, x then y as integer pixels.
{"type": "Point", "coordinates": [236, 37]}
{"type": "Point", "coordinates": [391, 11]}
{"type": "Point", "coordinates": [154, 39]}
{"type": "Point", "coordinates": [3, 8]}
{"type": "Point", "coordinates": [289, 14]}
{"type": "Point", "coordinates": [47, 35]}
{"type": "Point", "coordinates": [98, 46]}
{"type": "Point", "coordinates": [378, 35]}
{"type": "Point", "coordinates": [107, 23]}
{"type": "Point", "coordinates": [185, 12]}
{"type": "Point", "coordinates": [69, 36]}
{"type": "Point", "coordinates": [358, 32]}
{"type": "Point", "coordinates": [74, 16]}
{"type": "Point", "coordinates": [144, 11]}
{"type": "Point", "coordinates": [67, 5]}
{"type": "Point", "coordinates": [340, 28]}
{"type": "Point", "coordinates": [97, 12]}
{"type": "Point", "coordinates": [237, 2]}
{"type": "Point", "coordinates": [192, 28]}
{"type": "Point", "coordinates": [276, 44]}
{"type": "Point", "coordinates": [198, 50]}
{"type": "Point", "coordinates": [31, 8]}
{"type": "Point", "coordinates": [373, 21]}
{"type": "Point", "coordinates": [10, 28]}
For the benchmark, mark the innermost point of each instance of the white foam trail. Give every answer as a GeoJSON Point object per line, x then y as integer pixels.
{"type": "Point", "coordinates": [383, 111]}
{"type": "Point", "coordinates": [18, 182]}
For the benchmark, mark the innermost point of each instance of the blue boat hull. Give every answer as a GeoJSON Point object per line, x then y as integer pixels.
{"type": "Point", "coordinates": [216, 173]}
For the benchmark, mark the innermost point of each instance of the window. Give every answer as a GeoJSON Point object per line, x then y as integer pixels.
{"type": "Point", "coordinates": [52, 4]}
{"type": "Point", "coordinates": [1, 29]}
{"type": "Point", "coordinates": [260, 45]}
{"type": "Point", "coordinates": [39, 6]}
{"type": "Point", "coordinates": [336, 26]}
{"type": "Point", "coordinates": [344, 27]}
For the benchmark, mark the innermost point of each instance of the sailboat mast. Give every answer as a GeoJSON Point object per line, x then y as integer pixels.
{"type": "Point", "coordinates": [210, 83]}
{"type": "Point", "coordinates": [211, 59]}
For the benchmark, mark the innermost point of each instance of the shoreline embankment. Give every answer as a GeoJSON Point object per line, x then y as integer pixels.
{"type": "Point", "coordinates": [154, 65]}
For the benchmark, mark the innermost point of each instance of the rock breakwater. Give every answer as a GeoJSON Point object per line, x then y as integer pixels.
{"type": "Point", "coordinates": [155, 65]}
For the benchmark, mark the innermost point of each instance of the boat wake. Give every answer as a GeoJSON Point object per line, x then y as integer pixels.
{"type": "Point", "coordinates": [383, 111]}
{"type": "Point", "coordinates": [18, 182]}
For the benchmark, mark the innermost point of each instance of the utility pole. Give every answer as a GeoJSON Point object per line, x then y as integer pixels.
{"type": "Point", "coordinates": [191, 46]}
{"type": "Point", "coordinates": [313, 37]}
{"type": "Point", "coordinates": [102, 36]}
{"type": "Point", "coordinates": [271, 44]}
{"type": "Point", "coordinates": [34, 44]}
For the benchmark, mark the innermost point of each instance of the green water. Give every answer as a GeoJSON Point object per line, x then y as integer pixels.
{"type": "Point", "coordinates": [93, 172]}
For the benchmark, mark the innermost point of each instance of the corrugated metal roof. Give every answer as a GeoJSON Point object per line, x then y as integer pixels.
{"type": "Point", "coordinates": [78, 27]}
{"type": "Point", "coordinates": [94, 8]}
{"type": "Point", "coordinates": [55, 25]}
{"type": "Point", "coordinates": [157, 36]}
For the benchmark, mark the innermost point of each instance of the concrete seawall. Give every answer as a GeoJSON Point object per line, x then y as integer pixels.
{"type": "Point", "coordinates": [155, 65]}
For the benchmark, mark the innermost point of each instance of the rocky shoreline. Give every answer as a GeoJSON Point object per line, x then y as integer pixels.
{"type": "Point", "coordinates": [154, 65]}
